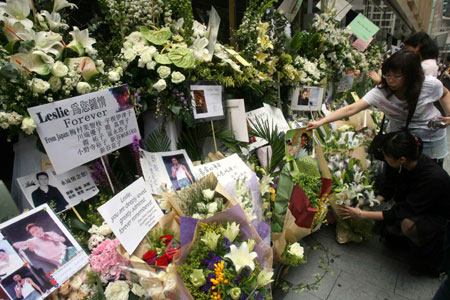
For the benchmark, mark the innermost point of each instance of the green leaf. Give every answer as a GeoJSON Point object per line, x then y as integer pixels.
{"type": "Point", "coordinates": [157, 37]}
{"type": "Point", "coordinates": [9, 71]}
{"type": "Point", "coordinates": [10, 46]}
{"type": "Point", "coordinates": [26, 46]}
{"type": "Point", "coordinates": [162, 59]}
{"type": "Point", "coordinates": [182, 58]}
{"type": "Point", "coordinates": [157, 141]}
{"type": "Point", "coordinates": [76, 223]}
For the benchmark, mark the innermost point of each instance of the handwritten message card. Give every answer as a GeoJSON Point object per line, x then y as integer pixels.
{"type": "Point", "coordinates": [131, 214]}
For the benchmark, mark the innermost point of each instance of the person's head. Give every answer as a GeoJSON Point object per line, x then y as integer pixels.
{"type": "Point", "coordinates": [174, 161]}
{"type": "Point", "coordinates": [305, 94]}
{"type": "Point", "coordinates": [304, 138]}
{"type": "Point", "coordinates": [4, 256]}
{"type": "Point", "coordinates": [34, 230]}
{"type": "Point", "coordinates": [402, 71]}
{"type": "Point", "coordinates": [42, 178]}
{"type": "Point", "coordinates": [17, 278]}
{"type": "Point", "coordinates": [422, 43]}
{"type": "Point", "coordinates": [400, 147]}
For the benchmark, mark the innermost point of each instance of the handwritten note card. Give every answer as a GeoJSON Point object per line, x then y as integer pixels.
{"type": "Point", "coordinates": [363, 28]}
{"type": "Point", "coordinates": [131, 214]}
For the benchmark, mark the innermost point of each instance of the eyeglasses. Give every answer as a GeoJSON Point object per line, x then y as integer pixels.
{"type": "Point", "coordinates": [393, 76]}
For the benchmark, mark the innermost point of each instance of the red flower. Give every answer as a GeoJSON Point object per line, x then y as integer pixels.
{"type": "Point", "coordinates": [166, 239]}
{"type": "Point", "coordinates": [150, 257]}
{"type": "Point", "coordinates": [162, 261]}
{"type": "Point", "coordinates": [170, 253]}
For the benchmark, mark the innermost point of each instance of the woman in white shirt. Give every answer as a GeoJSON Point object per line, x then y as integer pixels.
{"type": "Point", "coordinates": [403, 88]}
{"type": "Point", "coordinates": [422, 44]}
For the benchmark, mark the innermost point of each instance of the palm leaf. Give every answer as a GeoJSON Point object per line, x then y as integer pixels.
{"type": "Point", "coordinates": [274, 137]}
{"type": "Point", "coordinates": [157, 141]}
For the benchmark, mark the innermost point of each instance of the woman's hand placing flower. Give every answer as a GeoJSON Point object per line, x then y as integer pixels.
{"type": "Point", "coordinates": [348, 212]}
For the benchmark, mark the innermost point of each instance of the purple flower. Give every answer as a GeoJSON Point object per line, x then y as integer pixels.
{"type": "Point", "coordinates": [213, 259]}
{"type": "Point", "coordinates": [205, 288]}
{"type": "Point", "coordinates": [243, 296]}
{"type": "Point", "coordinates": [227, 242]}
{"type": "Point", "coordinates": [258, 297]}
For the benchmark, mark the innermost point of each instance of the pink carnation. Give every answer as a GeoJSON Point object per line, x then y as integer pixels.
{"type": "Point", "coordinates": [106, 260]}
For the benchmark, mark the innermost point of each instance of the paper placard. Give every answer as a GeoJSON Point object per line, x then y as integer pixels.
{"type": "Point", "coordinates": [306, 98]}
{"type": "Point", "coordinates": [290, 8]}
{"type": "Point", "coordinates": [40, 249]}
{"type": "Point", "coordinates": [361, 45]}
{"type": "Point", "coordinates": [342, 8]}
{"type": "Point", "coordinates": [166, 171]}
{"type": "Point", "coordinates": [273, 115]}
{"type": "Point", "coordinates": [131, 214]}
{"type": "Point", "coordinates": [346, 82]}
{"type": "Point", "coordinates": [61, 191]}
{"type": "Point", "coordinates": [79, 129]}
{"type": "Point", "coordinates": [236, 119]}
{"type": "Point", "coordinates": [298, 143]}
{"type": "Point", "coordinates": [227, 170]}
{"type": "Point", "coordinates": [207, 101]}
{"type": "Point", "coordinates": [363, 28]}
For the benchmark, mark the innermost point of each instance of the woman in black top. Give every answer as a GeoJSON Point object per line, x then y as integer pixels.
{"type": "Point", "coordinates": [421, 192]}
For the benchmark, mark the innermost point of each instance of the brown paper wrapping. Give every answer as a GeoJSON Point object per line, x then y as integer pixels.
{"type": "Point", "coordinates": [357, 121]}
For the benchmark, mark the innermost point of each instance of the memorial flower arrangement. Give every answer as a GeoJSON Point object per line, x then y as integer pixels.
{"type": "Point", "coordinates": [43, 60]}
{"type": "Point", "coordinates": [163, 248]}
{"type": "Point", "coordinates": [221, 265]}
{"type": "Point", "coordinates": [244, 198]}
{"type": "Point", "coordinates": [107, 262]}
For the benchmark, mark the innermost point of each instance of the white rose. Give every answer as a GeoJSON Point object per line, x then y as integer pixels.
{"type": "Point", "coordinates": [139, 48]}
{"type": "Point", "coordinates": [138, 290]}
{"type": "Point", "coordinates": [212, 207]}
{"type": "Point", "coordinates": [208, 194]}
{"type": "Point", "coordinates": [151, 65]}
{"type": "Point", "coordinates": [296, 250]}
{"type": "Point", "coordinates": [147, 54]}
{"type": "Point", "coordinates": [76, 282]}
{"type": "Point", "coordinates": [39, 86]}
{"type": "Point", "coordinates": [201, 206]}
{"type": "Point", "coordinates": [196, 216]}
{"type": "Point", "coordinates": [28, 125]}
{"type": "Point", "coordinates": [127, 45]}
{"type": "Point", "coordinates": [177, 77]}
{"type": "Point", "coordinates": [129, 55]}
{"type": "Point", "coordinates": [160, 85]}
{"type": "Point", "coordinates": [55, 83]}
{"type": "Point", "coordinates": [83, 87]}
{"type": "Point", "coordinates": [59, 69]}
{"type": "Point", "coordinates": [163, 71]}
{"type": "Point", "coordinates": [117, 290]}
{"type": "Point", "coordinates": [113, 76]}
{"type": "Point", "coordinates": [104, 229]}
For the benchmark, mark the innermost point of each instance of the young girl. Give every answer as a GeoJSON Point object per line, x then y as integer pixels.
{"type": "Point", "coordinates": [404, 88]}
{"type": "Point", "coordinates": [421, 192]}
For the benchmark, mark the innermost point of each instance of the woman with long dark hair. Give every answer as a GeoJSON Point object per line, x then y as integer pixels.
{"type": "Point", "coordinates": [404, 89]}
{"type": "Point", "coordinates": [421, 192]}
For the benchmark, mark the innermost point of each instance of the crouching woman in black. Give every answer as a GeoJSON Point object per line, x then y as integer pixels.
{"type": "Point", "coordinates": [422, 201]}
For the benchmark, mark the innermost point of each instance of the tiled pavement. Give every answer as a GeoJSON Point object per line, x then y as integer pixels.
{"type": "Point", "coordinates": [363, 271]}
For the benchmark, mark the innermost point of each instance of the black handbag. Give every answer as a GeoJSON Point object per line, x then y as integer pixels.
{"type": "Point", "coordinates": [375, 148]}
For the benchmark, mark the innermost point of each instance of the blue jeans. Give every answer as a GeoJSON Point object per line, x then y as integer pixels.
{"type": "Point", "coordinates": [184, 183]}
{"type": "Point", "coordinates": [35, 295]}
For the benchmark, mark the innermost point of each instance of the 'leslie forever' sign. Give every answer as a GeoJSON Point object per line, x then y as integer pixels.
{"type": "Point", "coordinates": [80, 129]}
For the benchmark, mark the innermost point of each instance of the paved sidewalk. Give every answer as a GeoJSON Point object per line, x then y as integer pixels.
{"type": "Point", "coordinates": [365, 270]}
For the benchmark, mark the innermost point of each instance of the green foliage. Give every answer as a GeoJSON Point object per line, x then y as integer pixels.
{"type": "Point", "coordinates": [311, 185]}
{"type": "Point", "coordinates": [275, 139]}
{"type": "Point", "coordinates": [157, 141]}
{"type": "Point", "coordinates": [308, 166]}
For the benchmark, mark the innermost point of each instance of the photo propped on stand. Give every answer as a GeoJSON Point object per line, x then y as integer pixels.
{"type": "Point", "coordinates": [207, 102]}
{"type": "Point", "coordinates": [306, 98]}
{"type": "Point", "coordinates": [298, 143]}
{"type": "Point", "coordinates": [51, 255]}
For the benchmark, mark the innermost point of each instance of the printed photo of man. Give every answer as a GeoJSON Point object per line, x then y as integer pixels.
{"type": "Point", "coordinates": [181, 174]}
{"type": "Point", "coordinates": [48, 246]}
{"type": "Point", "coordinates": [26, 288]}
{"type": "Point", "coordinates": [49, 194]}
{"type": "Point", "coordinates": [8, 262]}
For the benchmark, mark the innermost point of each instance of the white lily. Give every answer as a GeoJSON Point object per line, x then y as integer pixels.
{"type": "Point", "coordinates": [264, 278]}
{"type": "Point", "coordinates": [199, 29]}
{"type": "Point", "coordinates": [19, 10]}
{"type": "Point", "coordinates": [60, 4]}
{"type": "Point", "coordinates": [231, 232]}
{"type": "Point", "coordinates": [201, 53]}
{"type": "Point", "coordinates": [54, 20]}
{"type": "Point", "coordinates": [81, 41]}
{"type": "Point", "coordinates": [242, 257]}
{"type": "Point", "coordinates": [45, 57]}
{"type": "Point", "coordinates": [49, 42]}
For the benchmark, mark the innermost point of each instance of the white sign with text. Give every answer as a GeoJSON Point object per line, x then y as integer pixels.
{"type": "Point", "coordinates": [131, 214]}
{"type": "Point", "coordinates": [79, 129]}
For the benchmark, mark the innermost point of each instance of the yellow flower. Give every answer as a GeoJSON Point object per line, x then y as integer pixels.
{"type": "Point", "coordinates": [261, 57]}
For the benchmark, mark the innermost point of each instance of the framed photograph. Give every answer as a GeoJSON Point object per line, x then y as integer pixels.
{"type": "Point", "coordinates": [50, 254]}
{"type": "Point", "coordinates": [306, 98]}
{"type": "Point", "coordinates": [298, 143]}
{"type": "Point", "coordinates": [207, 102]}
